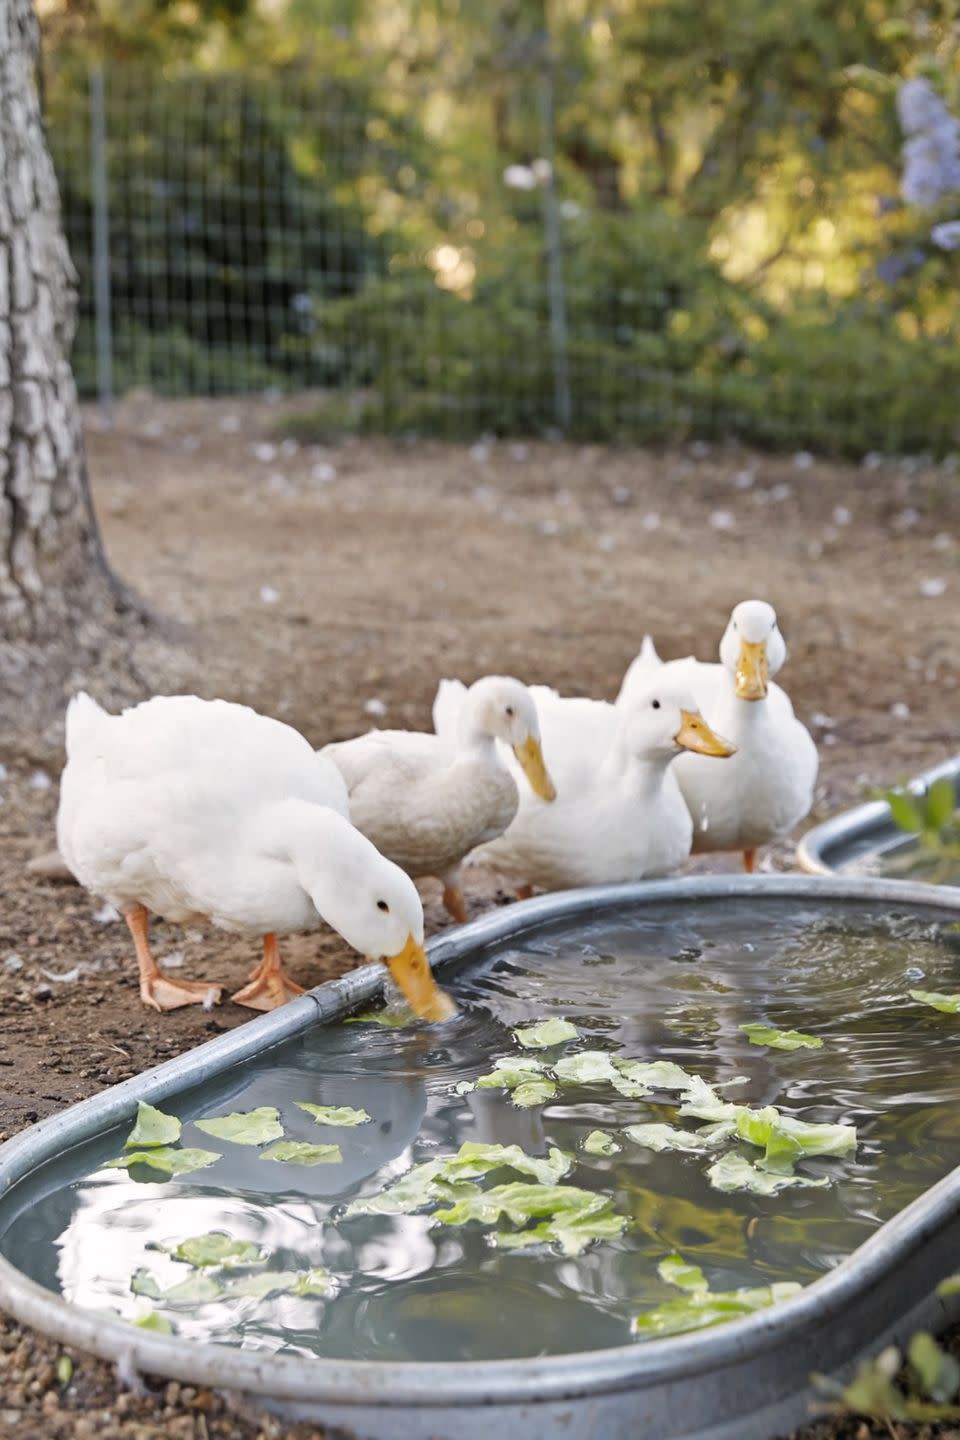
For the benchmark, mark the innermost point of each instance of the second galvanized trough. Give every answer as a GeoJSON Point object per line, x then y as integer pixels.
{"type": "Point", "coordinates": [846, 843]}
{"type": "Point", "coordinates": [747, 1380]}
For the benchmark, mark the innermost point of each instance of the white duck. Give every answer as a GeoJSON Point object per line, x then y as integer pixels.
{"type": "Point", "coordinates": [202, 809]}
{"type": "Point", "coordinates": [619, 815]}
{"type": "Point", "coordinates": [768, 787]}
{"type": "Point", "coordinates": [426, 800]}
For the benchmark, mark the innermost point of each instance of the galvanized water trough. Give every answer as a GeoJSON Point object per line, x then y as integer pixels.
{"type": "Point", "coordinates": [844, 842]}
{"type": "Point", "coordinates": [747, 1380]}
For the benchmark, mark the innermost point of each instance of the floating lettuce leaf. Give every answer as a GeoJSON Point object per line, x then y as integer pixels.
{"type": "Point", "coordinates": [574, 1217]}
{"type": "Point", "coordinates": [301, 1152]}
{"type": "Point", "coordinates": [949, 1004]}
{"type": "Point", "coordinates": [587, 1067]}
{"type": "Point", "coordinates": [659, 1137]}
{"type": "Point", "coordinates": [702, 1101]}
{"type": "Point", "coordinates": [313, 1282]}
{"type": "Point", "coordinates": [420, 1187]}
{"type": "Point", "coordinates": [334, 1114]}
{"type": "Point", "coordinates": [217, 1249]}
{"type": "Point", "coordinates": [280, 1282]}
{"type": "Point", "coordinates": [547, 1034]}
{"type": "Point", "coordinates": [657, 1074]}
{"type": "Point", "coordinates": [767, 1128]}
{"type": "Point", "coordinates": [675, 1271]}
{"type": "Point", "coordinates": [522, 1075]}
{"type": "Point", "coordinates": [601, 1142]}
{"type": "Point", "coordinates": [145, 1284]}
{"type": "Point", "coordinates": [700, 1308]}
{"type": "Point", "coordinates": [255, 1127]}
{"type": "Point", "coordinates": [197, 1289]}
{"type": "Point", "coordinates": [475, 1158]}
{"type": "Point", "coordinates": [153, 1321]}
{"type": "Point", "coordinates": [152, 1128]}
{"type": "Point", "coordinates": [759, 1034]}
{"type": "Point", "coordinates": [165, 1160]}
{"type": "Point", "coordinates": [512, 1071]}
{"type": "Point", "coordinates": [735, 1172]}
{"type": "Point", "coordinates": [390, 1018]}
{"type": "Point", "coordinates": [533, 1092]}
{"type": "Point", "coordinates": [572, 1233]}
{"type": "Point", "coordinates": [596, 1067]}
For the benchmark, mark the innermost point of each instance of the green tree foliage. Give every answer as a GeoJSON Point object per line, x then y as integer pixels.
{"type": "Point", "coordinates": [352, 193]}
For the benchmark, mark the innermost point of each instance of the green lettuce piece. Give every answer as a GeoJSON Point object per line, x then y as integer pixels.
{"type": "Point", "coordinates": [767, 1128]}
{"type": "Point", "coordinates": [657, 1074]}
{"type": "Point", "coordinates": [533, 1092]}
{"type": "Point", "coordinates": [510, 1072]}
{"type": "Point", "coordinates": [281, 1282]}
{"type": "Point", "coordinates": [255, 1127]}
{"type": "Point", "coordinates": [317, 1281]}
{"type": "Point", "coordinates": [339, 1115]}
{"type": "Point", "coordinates": [701, 1308]}
{"type": "Point", "coordinates": [759, 1034]}
{"type": "Point", "coordinates": [735, 1172]}
{"type": "Point", "coordinates": [596, 1067]}
{"type": "Point", "coordinates": [301, 1152]}
{"type": "Point", "coordinates": [659, 1137]}
{"type": "Point", "coordinates": [421, 1186]}
{"type": "Point", "coordinates": [546, 1034]}
{"type": "Point", "coordinates": [949, 1004]}
{"type": "Point", "coordinates": [702, 1101]}
{"type": "Point", "coordinates": [601, 1142]}
{"type": "Point", "coordinates": [152, 1128]}
{"type": "Point", "coordinates": [572, 1233]}
{"type": "Point", "coordinates": [475, 1158]}
{"type": "Point", "coordinates": [165, 1160]}
{"type": "Point", "coordinates": [523, 1076]}
{"type": "Point", "coordinates": [197, 1289]}
{"type": "Point", "coordinates": [217, 1249]}
{"type": "Point", "coordinates": [153, 1321]}
{"type": "Point", "coordinates": [390, 1019]}
{"type": "Point", "coordinates": [520, 1201]}
{"type": "Point", "coordinates": [675, 1271]}
{"type": "Point", "coordinates": [146, 1284]}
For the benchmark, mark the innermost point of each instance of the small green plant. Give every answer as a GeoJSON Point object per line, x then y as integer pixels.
{"type": "Point", "coordinates": [922, 1387]}
{"type": "Point", "coordinates": [933, 817]}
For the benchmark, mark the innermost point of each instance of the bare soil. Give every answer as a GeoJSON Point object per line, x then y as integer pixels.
{"type": "Point", "coordinates": [333, 587]}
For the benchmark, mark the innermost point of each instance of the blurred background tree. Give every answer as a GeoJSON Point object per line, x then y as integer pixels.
{"type": "Point", "coordinates": [356, 196]}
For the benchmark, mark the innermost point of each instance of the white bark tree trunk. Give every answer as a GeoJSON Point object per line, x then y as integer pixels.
{"type": "Point", "coordinates": [51, 567]}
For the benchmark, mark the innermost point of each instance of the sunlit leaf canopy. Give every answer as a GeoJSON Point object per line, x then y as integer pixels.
{"type": "Point", "coordinates": [719, 164]}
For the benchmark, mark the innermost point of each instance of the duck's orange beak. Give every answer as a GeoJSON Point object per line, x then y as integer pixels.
{"type": "Point", "coordinates": [411, 970]}
{"type": "Point", "coordinates": [751, 675]}
{"type": "Point", "coordinates": [695, 734]}
{"type": "Point", "coordinates": [530, 757]}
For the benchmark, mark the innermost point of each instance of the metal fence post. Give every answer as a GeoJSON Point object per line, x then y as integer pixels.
{"type": "Point", "coordinates": [101, 243]}
{"type": "Point", "coordinates": [556, 294]}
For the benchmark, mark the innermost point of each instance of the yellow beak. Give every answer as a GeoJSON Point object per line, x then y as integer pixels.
{"type": "Point", "coordinates": [411, 970]}
{"type": "Point", "coordinates": [752, 670]}
{"type": "Point", "coordinates": [530, 757]}
{"type": "Point", "coordinates": [695, 734]}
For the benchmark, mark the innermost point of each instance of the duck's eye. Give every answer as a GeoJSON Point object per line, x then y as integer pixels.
{"type": "Point", "coordinates": [382, 905]}
{"type": "Point", "coordinates": [510, 711]}
{"type": "Point", "coordinates": [656, 704]}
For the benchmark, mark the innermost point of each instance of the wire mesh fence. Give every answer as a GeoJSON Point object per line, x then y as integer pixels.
{"type": "Point", "coordinates": [388, 249]}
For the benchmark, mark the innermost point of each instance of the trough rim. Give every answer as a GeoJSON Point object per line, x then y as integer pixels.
{"type": "Point", "coordinates": [859, 822]}
{"type": "Point", "coordinates": [365, 1383]}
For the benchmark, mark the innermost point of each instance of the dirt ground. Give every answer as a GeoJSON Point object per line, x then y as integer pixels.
{"type": "Point", "coordinates": [332, 587]}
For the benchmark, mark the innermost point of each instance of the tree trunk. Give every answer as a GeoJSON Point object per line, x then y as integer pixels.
{"type": "Point", "coordinates": [52, 574]}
